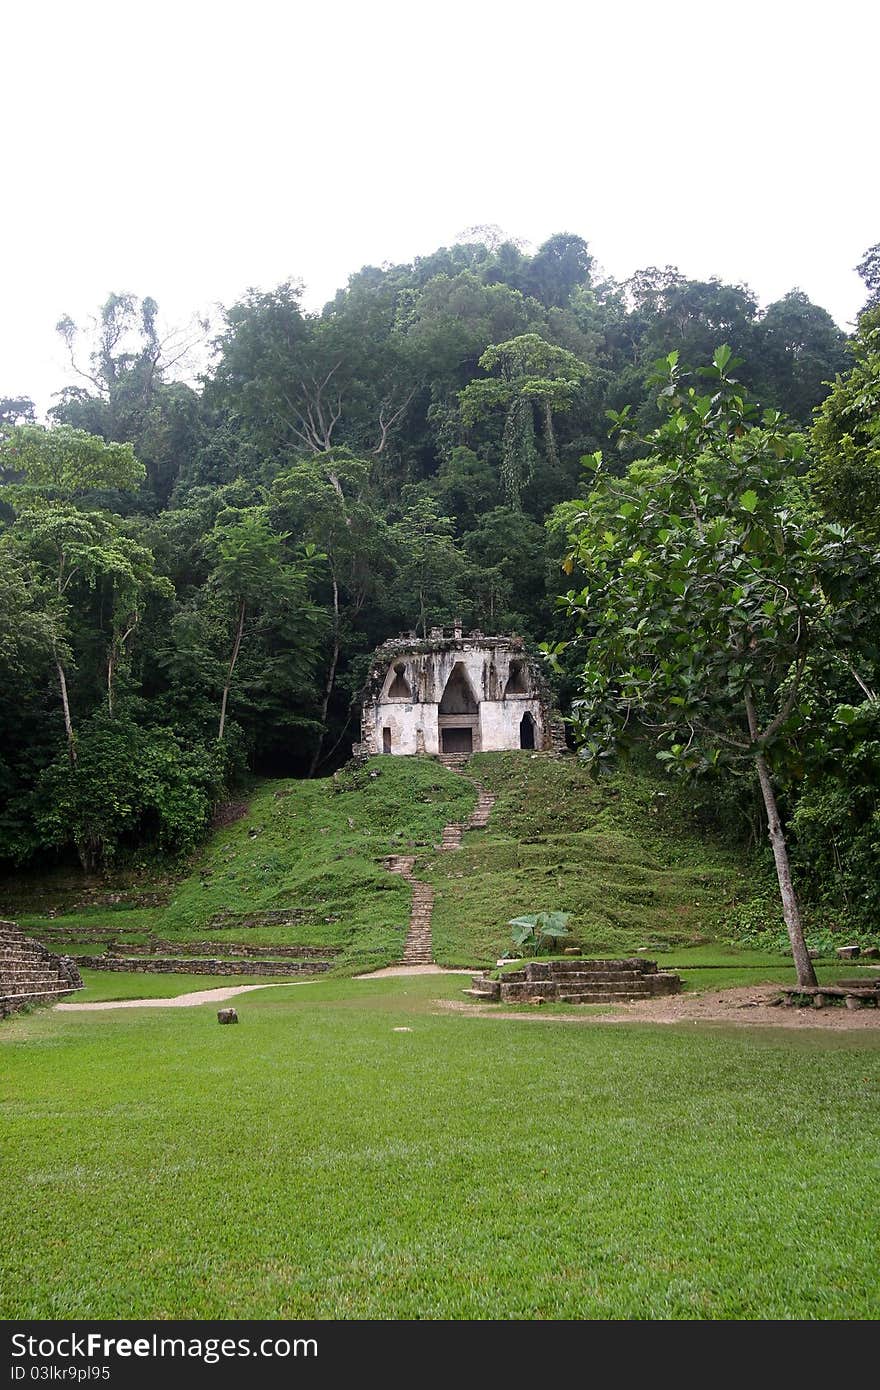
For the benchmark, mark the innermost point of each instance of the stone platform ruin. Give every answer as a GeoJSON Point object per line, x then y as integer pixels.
{"type": "Point", "coordinates": [577, 982]}
{"type": "Point", "coordinates": [30, 974]}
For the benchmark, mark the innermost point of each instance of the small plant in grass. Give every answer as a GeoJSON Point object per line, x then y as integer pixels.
{"type": "Point", "coordinates": [539, 931]}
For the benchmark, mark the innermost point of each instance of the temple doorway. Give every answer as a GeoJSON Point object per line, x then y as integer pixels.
{"type": "Point", "coordinates": [456, 740]}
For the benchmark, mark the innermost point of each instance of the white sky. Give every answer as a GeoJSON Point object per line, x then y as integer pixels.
{"type": "Point", "coordinates": [189, 150]}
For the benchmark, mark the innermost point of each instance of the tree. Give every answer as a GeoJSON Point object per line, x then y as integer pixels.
{"type": "Point", "coordinates": [707, 587]}
{"type": "Point", "coordinates": [48, 476]}
{"type": "Point", "coordinates": [324, 499]}
{"type": "Point", "coordinates": [561, 265]}
{"type": "Point", "coordinates": [801, 350]}
{"type": "Point", "coordinates": [251, 572]}
{"type": "Point", "coordinates": [431, 568]}
{"type": "Point", "coordinates": [846, 436]}
{"type": "Point", "coordinates": [869, 269]}
{"type": "Point", "coordinates": [130, 395]}
{"type": "Point", "coordinates": [298, 384]}
{"type": "Point", "coordinates": [532, 375]}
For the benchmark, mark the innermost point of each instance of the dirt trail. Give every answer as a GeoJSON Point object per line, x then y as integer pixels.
{"type": "Point", "coordinates": [180, 1001]}
{"type": "Point", "coordinates": [748, 1006]}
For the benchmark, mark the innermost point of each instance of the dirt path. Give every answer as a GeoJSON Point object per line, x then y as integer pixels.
{"type": "Point", "coordinates": [389, 970]}
{"type": "Point", "coordinates": [747, 1006]}
{"type": "Point", "coordinates": [418, 947]}
{"type": "Point", "coordinates": [180, 1001]}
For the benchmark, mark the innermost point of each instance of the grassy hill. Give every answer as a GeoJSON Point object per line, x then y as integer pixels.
{"type": "Point", "coordinates": [628, 870]}
{"type": "Point", "coordinates": [611, 854]}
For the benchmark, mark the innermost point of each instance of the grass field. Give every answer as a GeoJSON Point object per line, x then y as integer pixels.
{"type": "Point", "coordinates": [313, 1161]}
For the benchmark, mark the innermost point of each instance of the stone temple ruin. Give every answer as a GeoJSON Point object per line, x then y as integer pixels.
{"type": "Point", "coordinates": [456, 694]}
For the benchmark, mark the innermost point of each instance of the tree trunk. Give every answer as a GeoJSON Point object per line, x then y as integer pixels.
{"type": "Point", "coordinates": [791, 911]}
{"type": "Point", "coordinates": [111, 662]}
{"type": "Point", "coordinates": [65, 704]}
{"type": "Point", "coordinates": [331, 679]}
{"type": "Point", "coordinates": [117, 648]}
{"type": "Point", "coordinates": [549, 435]}
{"type": "Point", "coordinates": [236, 648]}
{"type": "Point", "coordinates": [806, 975]}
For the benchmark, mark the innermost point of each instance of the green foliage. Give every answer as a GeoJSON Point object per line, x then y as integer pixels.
{"type": "Point", "coordinates": [39, 465]}
{"type": "Point", "coordinates": [415, 434]}
{"type": "Point", "coordinates": [836, 822]}
{"type": "Point", "coordinates": [539, 931]}
{"type": "Point", "coordinates": [131, 786]}
{"type": "Point", "coordinates": [846, 436]}
{"type": "Point", "coordinates": [532, 374]}
{"type": "Point", "coordinates": [705, 593]}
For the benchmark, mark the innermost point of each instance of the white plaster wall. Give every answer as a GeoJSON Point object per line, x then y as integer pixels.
{"type": "Point", "coordinates": [404, 721]}
{"type": "Point", "coordinates": [500, 721]}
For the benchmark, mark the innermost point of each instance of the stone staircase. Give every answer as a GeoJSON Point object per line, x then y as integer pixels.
{"type": "Point", "coordinates": [417, 949]}
{"type": "Point", "coordinates": [30, 974]}
{"type": "Point", "coordinates": [578, 982]}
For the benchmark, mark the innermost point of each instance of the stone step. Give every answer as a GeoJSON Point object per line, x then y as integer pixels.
{"type": "Point", "coordinates": [11, 970]}
{"type": "Point", "coordinates": [41, 993]}
{"type": "Point", "coordinates": [600, 977]}
{"type": "Point", "coordinates": [28, 977]}
{"type": "Point", "coordinates": [599, 996]}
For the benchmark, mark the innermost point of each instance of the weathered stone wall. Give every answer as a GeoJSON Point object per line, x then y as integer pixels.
{"type": "Point", "coordinates": [149, 965]}
{"type": "Point", "coordinates": [233, 948]}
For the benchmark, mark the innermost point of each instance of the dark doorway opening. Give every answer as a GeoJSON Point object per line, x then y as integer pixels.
{"type": "Point", "coordinates": [457, 740]}
{"type": "Point", "coordinates": [386, 740]}
{"type": "Point", "coordinates": [527, 731]}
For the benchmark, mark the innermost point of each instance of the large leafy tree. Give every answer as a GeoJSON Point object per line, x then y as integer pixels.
{"type": "Point", "coordinates": [127, 362]}
{"type": "Point", "coordinates": [706, 588]}
{"type": "Point", "coordinates": [66, 544]}
{"type": "Point", "coordinates": [430, 583]}
{"type": "Point", "coordinates": [325, 499]}
{"type": "Point", "coordinates": [531, 376]}
{"type": "Point", "coordinates": [801, 351]}
{"type": "Point", "coordinates": [252, 574]}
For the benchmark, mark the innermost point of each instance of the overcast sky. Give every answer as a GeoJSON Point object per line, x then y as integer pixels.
{"type": "Point", "coordinates": [190, 150]}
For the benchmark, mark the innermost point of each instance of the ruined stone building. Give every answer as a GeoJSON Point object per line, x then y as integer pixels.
{"type": "Point", "coordinates": [452, 693]}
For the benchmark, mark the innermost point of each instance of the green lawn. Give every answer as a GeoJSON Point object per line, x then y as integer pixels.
{"type": "Point", "coordinates": [314, 1162]}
